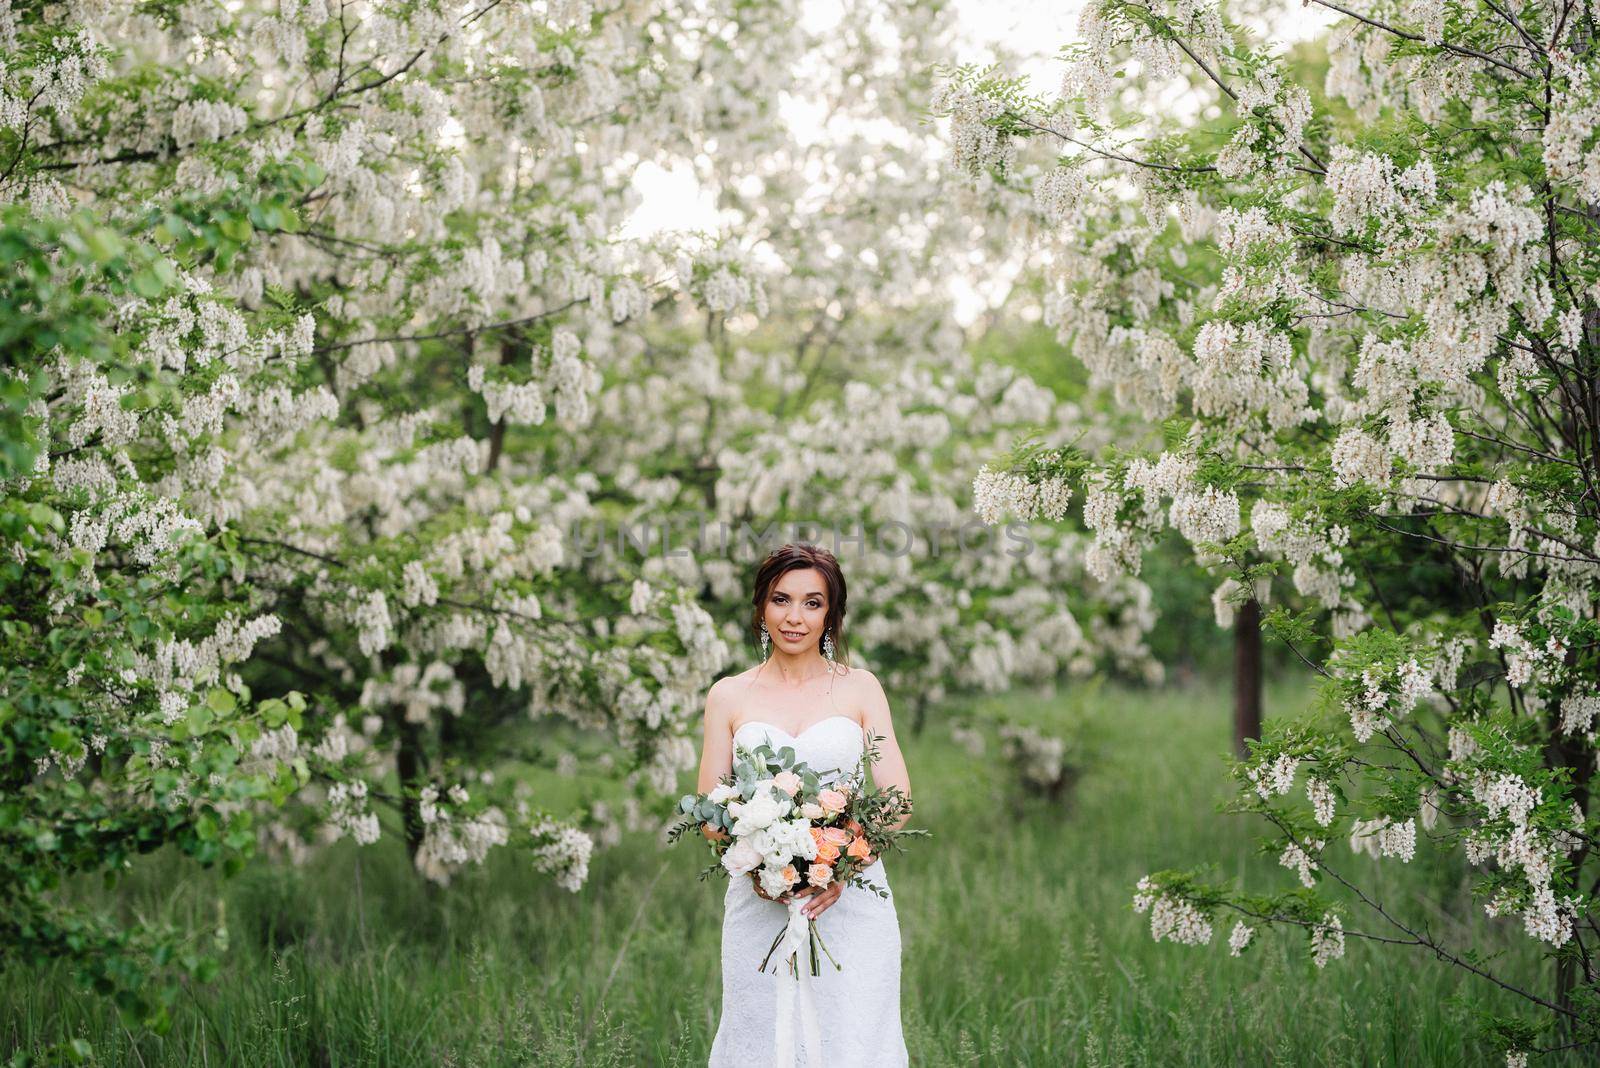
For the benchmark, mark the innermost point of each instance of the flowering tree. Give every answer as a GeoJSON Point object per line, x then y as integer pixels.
{"type": "Point", "coordinates": [321, 336]}
{"type": "Point", "coordinates": [281, 278]}
{"type": "Point", "coordinates": [851, 400]}
{"type": "Point", "coordinates": [123, 722]}
{"type": "Point", "coordinates": [1390, 399]}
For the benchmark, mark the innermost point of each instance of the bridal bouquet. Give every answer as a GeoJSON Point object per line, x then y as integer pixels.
{"type": "Point", "coordinates": [788, 830]}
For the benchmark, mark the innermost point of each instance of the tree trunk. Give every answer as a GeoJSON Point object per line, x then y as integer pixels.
{"type": "Point", "coordinates": [411, 762]}
{"type": "Point", "coordinates": [1564, 751]}
{"type": "Point", "coordinates": [497, 432]}
{"type": "Point", "coordinates": [1246, 676]}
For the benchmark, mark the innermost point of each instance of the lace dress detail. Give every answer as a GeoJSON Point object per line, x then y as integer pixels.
{"type": "Point", "coordinates": [858, 1006]}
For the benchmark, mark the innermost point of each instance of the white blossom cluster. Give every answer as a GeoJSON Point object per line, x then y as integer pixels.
{"type": "Point", "coordinates": [1239, 938]}
{"type": "Point", "coordinates": [1526, 662]}
{"type": "Point", "coordinates": [184, 664]}
{"type": "Point", "coordinates": [1368, 187]}
{"type": "Point", "coordinates": [1274, 778]}
{"type": "Point", "coordinates": [280, 743]}
{"type": "Point", "coordinates": [419, 691]}
{"type": "Point", "coordinates": [1386, 693]}
{"type": "Point", "coordinates": [350, 814]}
{"type": "Point", "coordinates": [997, 494]}
{"type": "Point", "coordinates": [977, 145]}
{"type": "Point", "coordinates": [1383, 837]}
{"type": "Point", "coordinates": [562, 852]}
{"type": "Point", "coordinates": [1322, 799]}
{"type": "Point", "coordinates": [453, 840]}
{"type": "Point", "coordinates": [1571, 153]}
{"type": "Point", "coordinates": [1327, 940]}
{"type": "Point", "coordinates": [1171, 917]}
{"type": "Point", "coordinates": [1509, 801]}
{"type": "Point", "coordinates": [1271, 142]}
{"type": "Point", "coordinates": [1313, 547]}
{"type": "Point", "coordinates": [1037, 757]}
{"type": "Point", "coordinates": [1301, 860]}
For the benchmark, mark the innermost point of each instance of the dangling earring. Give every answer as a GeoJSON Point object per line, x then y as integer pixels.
{"type": "Point", "coordinates": [827, 646]}
{"type": "Point", "coordinates": [766, 641]}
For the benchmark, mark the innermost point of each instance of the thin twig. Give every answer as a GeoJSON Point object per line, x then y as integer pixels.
{"type": "Point", "coordinates": [1446, 45]}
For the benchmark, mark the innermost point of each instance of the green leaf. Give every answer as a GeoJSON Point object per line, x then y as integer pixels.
{"type": "Point", "coordinates": [237, 228]}
{"type": "Point", "coordinates": [147, 284]}
{"type": "Point", "coordinates": [103, 245]}
{"type": "Point", "coordinates": [200, 717]}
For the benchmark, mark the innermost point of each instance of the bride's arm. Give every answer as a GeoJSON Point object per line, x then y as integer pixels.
{"type": "Point", "coordinates": [890, 767]}
{"type": "Point", "coordinates": [716, 748]}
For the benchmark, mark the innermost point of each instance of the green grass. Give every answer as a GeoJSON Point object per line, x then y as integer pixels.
{"type": "Point", "coordinates": [1020, 945]}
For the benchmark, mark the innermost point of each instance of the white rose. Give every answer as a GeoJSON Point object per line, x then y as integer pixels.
{"type": "Point", "coordinates": [723, 793]}
{"type": "Point", "coordinates": [785, 840]}
{"type": "Point", "coordinates": [757, 813]}
{"type": "Point", "coordinates": [773, 882]}
{"type": "Point", "coordinates": [800, 840]}
{"type": "Point", "coordinates": [766, 843]}
{"type": "Point", "coordinates": [741, 858]}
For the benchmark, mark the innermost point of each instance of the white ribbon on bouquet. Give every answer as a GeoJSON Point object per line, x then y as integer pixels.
{"type": "Point", "coordinates": [796, 939]}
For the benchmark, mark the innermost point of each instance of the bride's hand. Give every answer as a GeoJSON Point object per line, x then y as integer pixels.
{"type": "Point", "coordinates": [824, 898]}
{"type": "Point", "coordinates": [821, 900]}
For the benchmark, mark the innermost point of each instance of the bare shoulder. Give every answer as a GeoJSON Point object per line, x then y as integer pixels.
{"type": "Point", "coordinates": [719, 698]}
{"type": "Point", "coordinates": [727, 692]}
{"type": "Point", "coordinates": [862, 678]}
{"type": "Point", "coordinates": [727, 683]}
{"type": "Point", "coordinates": [865, 691]}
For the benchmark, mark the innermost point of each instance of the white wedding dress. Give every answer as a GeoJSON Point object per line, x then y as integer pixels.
{"type": "Point", "coordinates": [845, 1018]}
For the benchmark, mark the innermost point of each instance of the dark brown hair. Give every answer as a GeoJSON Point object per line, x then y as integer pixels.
{"type": "Point", "coordinates": [797, 556]}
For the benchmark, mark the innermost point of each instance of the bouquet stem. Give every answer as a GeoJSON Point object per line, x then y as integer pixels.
{"type": "Point", "coordinates": [814, 942]}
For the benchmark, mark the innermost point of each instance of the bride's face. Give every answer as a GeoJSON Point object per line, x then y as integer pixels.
{"type": "Point", "coordinates": [797, 610]}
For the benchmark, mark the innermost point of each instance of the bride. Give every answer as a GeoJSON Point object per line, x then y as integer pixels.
{"type": "Point", "coordinates": [813, 702]}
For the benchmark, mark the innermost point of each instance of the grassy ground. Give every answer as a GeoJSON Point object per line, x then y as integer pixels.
{"type": "Point", "coordinates": [1020, 946]}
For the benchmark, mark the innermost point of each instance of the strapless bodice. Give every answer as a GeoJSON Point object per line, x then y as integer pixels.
{"type": "Point", "coordinates": [830, 747]}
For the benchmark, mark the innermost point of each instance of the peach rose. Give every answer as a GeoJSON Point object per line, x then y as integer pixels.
{"type": "Point", "coordinates": [790, 874]}
{"type": "Point", "coordinates": [832, 801]}
{"type": "Point", "coordinates": [859, 848]}
{"type": "Point", "coordinates": [827, 851]}
{"type": "Point", "coordinates": [788, 782]}
{"type": "Point", "coordinates": [836, 836]}
{"type": "Point", "coordinates": [820, 875]}
{"type": "Point", "coordinates": [854, 828]}
{"type": "Point", "coordinates": [811, 811]}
